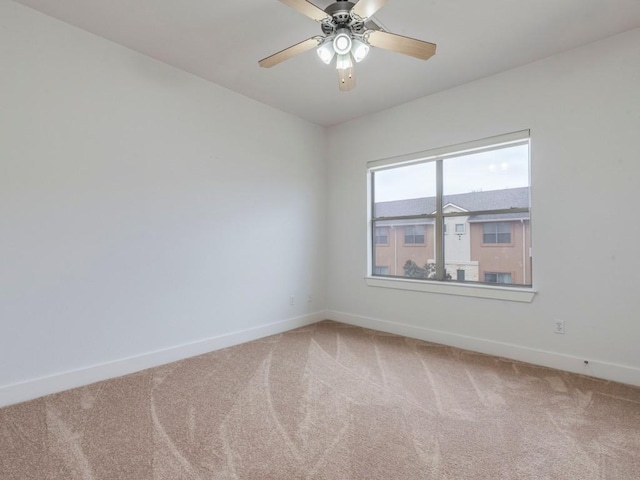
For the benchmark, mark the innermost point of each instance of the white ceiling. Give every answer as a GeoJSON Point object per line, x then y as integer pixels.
{"type": "Point", "coordinates": [222, 41]}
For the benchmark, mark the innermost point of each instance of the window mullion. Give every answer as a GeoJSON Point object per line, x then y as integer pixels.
{"type": "Point", "coordinates": [373, 224]}
{"type": "Point", "coordinates": [439, 243]}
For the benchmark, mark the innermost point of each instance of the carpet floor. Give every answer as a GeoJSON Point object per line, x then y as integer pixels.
{"type": "Point", "coordinates": [329, 401]}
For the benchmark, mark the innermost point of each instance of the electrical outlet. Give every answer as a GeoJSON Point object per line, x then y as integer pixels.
{"type": "Point", "coordinates": [558, 327]}
{"type": "Point", "coordinates": [309, 299]}
{"type": "Point", "coordinates": [292, 300]}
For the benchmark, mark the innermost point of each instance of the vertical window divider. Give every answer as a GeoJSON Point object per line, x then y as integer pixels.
{"type": "Point", "coordinates": [439, 240]}
{"type": "Point", "coordinates": [372, 233]}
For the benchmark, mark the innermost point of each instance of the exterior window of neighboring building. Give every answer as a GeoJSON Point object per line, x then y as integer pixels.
{"type": "Point", "coordinates": [496, 277]}
{"type": "Point", "coordinates": [496, 232]}
{"type": "Point", "coordinates": [478, 191]}
{"type": "Point", "coordinates": [414, 235]}
{"type": "Point", "coordinates": [381, 270]}
{"type": "Point", "coordinates": [382, 236]}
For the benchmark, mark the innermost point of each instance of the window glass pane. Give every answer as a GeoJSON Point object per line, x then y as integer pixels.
{"type": "Point", "coordinates": [493, 171]}
{"type": "Point", "coordinates": [414, 234]}
{"type": "Point", "coordinates": [402, 191]}
{"type": "Point", "coordinates": [497, 277]}
{"type": "Point", "coordinates": [491, 277]}
{"type": "Point", "coordinates": [497, 232]}
{"type": "Point", "coordinates": [409, 251]}
{"type": "Point", "coordinates": [478, 243]}
{"type": "Point", "coordinates": [503, 227]}
{"type": "Point", "coordinates": [504, 238]}
{"type": "Point", "coordinates": [382, 236]}
{"type": "Point", "coordinates": [486, 255]}
{"type": "Point", "coordinates": [458, 264]}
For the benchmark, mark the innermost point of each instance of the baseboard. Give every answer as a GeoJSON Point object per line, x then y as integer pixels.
{"type": "Point", "coordinates": [31, 389]}
{"type": "Point", "coordinates": [595, 368]}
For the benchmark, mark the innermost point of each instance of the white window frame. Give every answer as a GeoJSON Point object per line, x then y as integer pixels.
{"type": "Point", "coordinates": [499, 291]}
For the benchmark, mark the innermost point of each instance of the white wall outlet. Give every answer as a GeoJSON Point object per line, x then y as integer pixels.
{"type": "Point", "coordinates": [309, 299]}
{"type": "Point", "coordinates": [558, 326]}
{"type": "Point", "coordinates": [292, 300]}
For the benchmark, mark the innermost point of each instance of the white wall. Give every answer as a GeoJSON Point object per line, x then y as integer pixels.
{"type": "Point", "coordinates": [142, 208]}
{"type": "Point", "coordinates": [583, 109]}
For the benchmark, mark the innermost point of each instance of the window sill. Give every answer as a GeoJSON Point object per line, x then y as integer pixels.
{"type": "Point", "coordinates": [512, 294]}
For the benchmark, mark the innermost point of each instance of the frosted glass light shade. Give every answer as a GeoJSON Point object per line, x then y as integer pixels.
{"type": "Point", "coordinates": [342, 43]}
{"type": "Point", "coordinates": [359, 50]}
{"type": "Point", "coordinates": [344, 62]}
{"type": "Point", "coordinates": [326, 52]}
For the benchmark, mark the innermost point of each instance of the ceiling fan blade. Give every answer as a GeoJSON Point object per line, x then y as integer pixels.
{"type": "Point", "coordinates": [287, 53]}
{"type": "Point", "coordinates": [400, 44]}
{"type": "Point", "coordinates": [307, 8]}
{"type": "Point", "coordinates": [366, 8]}
{"type": "Point", "coordinates": [369, 24]}
{"type": "Point", "coordinates": [346, 79]}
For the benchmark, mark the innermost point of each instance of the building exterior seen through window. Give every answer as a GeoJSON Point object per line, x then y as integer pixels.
{"type": "Point", "coordinates": [414, 235]}
{"type": "Point", "coordinates": [462, 216]}
{"type": "Point", "coordinates": [496, 232]}
{"type": "Point", "coordinates": [382, 237]}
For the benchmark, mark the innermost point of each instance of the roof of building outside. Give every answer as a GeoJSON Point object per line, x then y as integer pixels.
{"type": "Point", "coordinates": [473, 201]}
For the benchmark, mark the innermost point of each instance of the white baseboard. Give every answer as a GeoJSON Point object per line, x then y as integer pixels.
{"type": "Point", "coordinates": [595, 368]}
{"type": "Point", "coordinates": [38, 387]}
{"type": "Point", "coordinates": [30, 389]}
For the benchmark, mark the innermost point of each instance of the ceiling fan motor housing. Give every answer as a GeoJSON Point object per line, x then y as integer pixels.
{"type": "Point", "coordinates": [340, 13]}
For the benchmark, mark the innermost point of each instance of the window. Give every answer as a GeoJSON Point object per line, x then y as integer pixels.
{"type": "Point", "coordinates": [491, 277]}
{"type": "Point", "coordinates": [382, 236]}
{"type": "Point", "coordinates": [482, 189]}
{"type": "Point", "coordinates": [414, 235]}
{"type": "Point", "coordinates": [381, 270]}
{"type": "Point", "coordinates": [496, 232]}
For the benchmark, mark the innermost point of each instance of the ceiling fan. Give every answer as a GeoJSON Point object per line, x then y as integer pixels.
{"type": "Point", "coordinates": [347, 33]}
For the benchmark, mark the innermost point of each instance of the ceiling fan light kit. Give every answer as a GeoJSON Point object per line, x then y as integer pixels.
{"type": "Point", "coordinates": [342, 42]}
{"type": "Point", "coordinates": [348, 33]}
{"type": "Point", "coordinates": [359, 50]}
{"type": "Point", "coordinates": [344, 62]}
{"type": "Point", "coordinates": [326, 52]}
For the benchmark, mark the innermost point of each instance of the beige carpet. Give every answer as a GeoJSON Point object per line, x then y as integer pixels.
{"type": "Point", "coordinates": [334, 402]}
